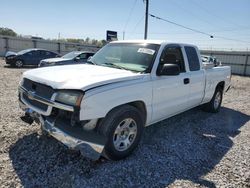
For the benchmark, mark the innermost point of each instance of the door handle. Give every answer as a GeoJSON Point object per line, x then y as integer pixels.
{"type": "Point", "coordinates": [186, 80]}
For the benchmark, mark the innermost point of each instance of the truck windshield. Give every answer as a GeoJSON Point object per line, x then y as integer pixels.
{"type": "Point", "coordinates": [137, 57]}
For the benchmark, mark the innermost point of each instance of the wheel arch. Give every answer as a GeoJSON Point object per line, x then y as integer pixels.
{"type": "Point", "coordinates": [221, 85]}
{"type": "Point", "coordinates": [140, 105]}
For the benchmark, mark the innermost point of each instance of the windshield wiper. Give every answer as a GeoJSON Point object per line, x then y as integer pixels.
{"type": "Point", "coordinates": [116, 66]}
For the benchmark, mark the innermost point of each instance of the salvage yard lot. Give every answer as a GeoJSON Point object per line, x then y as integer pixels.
{"type": "Point", "coordinates": [193, 149]}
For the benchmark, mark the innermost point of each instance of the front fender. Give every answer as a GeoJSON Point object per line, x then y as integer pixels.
{"type": "Point", "coordinates": [100, 103]}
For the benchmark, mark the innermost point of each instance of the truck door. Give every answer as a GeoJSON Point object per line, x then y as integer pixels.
{"type": "Point", "coordinates": [197, 77]}
{"type": "Point", "coordinates": [170, 93]}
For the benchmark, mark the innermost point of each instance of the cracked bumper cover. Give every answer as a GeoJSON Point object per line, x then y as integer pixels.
{"type": "Point", "coordinates": [89, 143]}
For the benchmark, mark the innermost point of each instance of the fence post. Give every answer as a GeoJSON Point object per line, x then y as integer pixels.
{"type": "Point", "coordinates": [6, 44]}
{"type": "Point", "coordinates": [245, 66]}
{"type": "Point", "coordinates": [34, 43]}
{"type": "Point", "coordinates": [59, 47]}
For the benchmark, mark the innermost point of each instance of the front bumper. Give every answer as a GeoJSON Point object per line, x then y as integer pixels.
{"type": "Point", "coordinates": [89, 143]}
{"type": "Point", "coordinates": [9, 61]}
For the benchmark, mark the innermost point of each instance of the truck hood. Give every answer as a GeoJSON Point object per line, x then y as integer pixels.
{"type": "Point", "coordinates": [81, 77]}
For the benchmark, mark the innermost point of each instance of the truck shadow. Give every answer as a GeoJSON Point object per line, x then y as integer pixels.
{"type": "Point", "coordinates": [184, 147]}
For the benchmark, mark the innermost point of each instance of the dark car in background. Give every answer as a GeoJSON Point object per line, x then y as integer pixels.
{"type": "Point", "coordinates": [74, 57]}
{"type": "Point", "coordinates": [28, 57]}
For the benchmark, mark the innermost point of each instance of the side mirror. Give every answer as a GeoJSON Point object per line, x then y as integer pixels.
{"type": "Point", "coordinates": [90, 57]}
{"type": "Point", "coordinates": [169, 70]}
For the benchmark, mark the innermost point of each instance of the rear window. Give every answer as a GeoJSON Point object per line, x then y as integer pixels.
{"type": "Point", "coordinates": [193, 59]}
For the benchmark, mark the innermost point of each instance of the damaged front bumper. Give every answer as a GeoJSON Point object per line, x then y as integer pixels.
{"type": "Point", "coordinates": [88, 142]}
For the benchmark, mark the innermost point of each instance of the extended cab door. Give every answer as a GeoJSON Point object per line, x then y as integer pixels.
{"type": "Point", "coordinates": [170, 93]}
{"type": "Point", "coordinates": [197, 77]}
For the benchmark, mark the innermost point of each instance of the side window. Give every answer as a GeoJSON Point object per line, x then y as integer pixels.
{"type": "Point", "coordinates": [89, 54]}
{"type": "Point", "coordinates": [41, 53]}
{"type": "Point", "coordinates": [172, 55]}
{"type": "Point", "coordinates": [47, 53]}
{"type": "Point", "coordinates": [82, 56]}
{"type": "Point", "coordinates": [193, 59]}
{"type": "Point", "coordinates": [29, 53]}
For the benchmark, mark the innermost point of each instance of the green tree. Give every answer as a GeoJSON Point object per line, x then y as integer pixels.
{"type": "Point", "coordinates": [7, 32]}
{"type": "Point", "coordinates": [101, 43]}
{"type": "Point", "coordinates": [87, 40]}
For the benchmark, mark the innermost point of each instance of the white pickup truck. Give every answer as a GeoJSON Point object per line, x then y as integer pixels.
{"type": "Point", "coordinates": [102, 107]}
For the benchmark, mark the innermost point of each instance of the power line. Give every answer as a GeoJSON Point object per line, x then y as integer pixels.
{"type": "Point", "coordinates": [129, 16]}
{"type": "Point", "coordinates": [216, 15]}
{"type": "Point", "coordinates": [197, 31]}
{"type": "Point", "coordinates": [237, 40]}
{"type": "Point", "coordinates": [191, 13]}
{"type": "Point", "coordinates": [185, 27]}
{"type": "Point", "coordinates": [136, 25]}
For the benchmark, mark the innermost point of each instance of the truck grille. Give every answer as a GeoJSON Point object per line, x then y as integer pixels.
{"type": "Point", "coordinates": [40, 90]}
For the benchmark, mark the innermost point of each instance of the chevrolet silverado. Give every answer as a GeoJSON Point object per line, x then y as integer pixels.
{"type": "Point", "coordinates": [102, 107]}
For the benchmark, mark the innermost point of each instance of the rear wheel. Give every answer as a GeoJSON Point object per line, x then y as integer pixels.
{"type": "Point", "coordinates": [215, 103]}
{"type": "Point", "coordinates": [123, 128]}
{"type": "Point", "coordinates": [19, 63]}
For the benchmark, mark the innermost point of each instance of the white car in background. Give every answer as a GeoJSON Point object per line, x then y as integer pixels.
{"type": "Point", "coordinates": [210, 60]}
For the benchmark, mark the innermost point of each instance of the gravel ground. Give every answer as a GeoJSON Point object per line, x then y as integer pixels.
{"type": "Point", "coordinates": [193, 149]}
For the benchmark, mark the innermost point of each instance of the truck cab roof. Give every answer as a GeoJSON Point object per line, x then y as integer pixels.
{"type": "Point", "coordinates": [160, 42]}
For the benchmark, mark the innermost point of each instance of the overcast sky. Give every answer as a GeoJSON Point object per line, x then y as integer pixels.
{"type": "Point", "coordinates": [227, 20]}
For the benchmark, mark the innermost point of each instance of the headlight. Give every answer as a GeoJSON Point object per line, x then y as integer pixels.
{"type": "Point", "coordinates": [69, 97]}
{"type": "Point", "coordinates": [10, 57]}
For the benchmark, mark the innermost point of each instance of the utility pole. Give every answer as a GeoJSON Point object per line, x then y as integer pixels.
{"type": "Point", "coordinates": [146, 20]}
{"type": "Point", "coordinates": [123, 35]}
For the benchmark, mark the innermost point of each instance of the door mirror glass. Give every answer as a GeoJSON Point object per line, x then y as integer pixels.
{"type": "Point", "coordinates": [169, 70]}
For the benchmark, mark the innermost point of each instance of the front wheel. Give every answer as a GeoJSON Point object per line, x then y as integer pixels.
{"type": "Point", "coordinates": [123, 128]}
{"type": "Point", "coordinates": [19, 63]}
{"type": "Point", "coordinates": [215, 103]}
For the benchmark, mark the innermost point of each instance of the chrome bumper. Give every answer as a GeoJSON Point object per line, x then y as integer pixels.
{"type": "Point", "coordinates": [89, 143]}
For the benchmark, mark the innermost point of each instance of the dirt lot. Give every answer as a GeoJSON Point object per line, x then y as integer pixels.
{"type": "Point", "coordinates": [193, 149]}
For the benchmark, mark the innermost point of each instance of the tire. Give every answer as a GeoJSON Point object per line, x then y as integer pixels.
{"type": "Point", "coordinates": [19, 63]}
{"type": "Point", "coordinates": [123, 128]}
{"type": "Point", "coordinates": [215, 104]}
